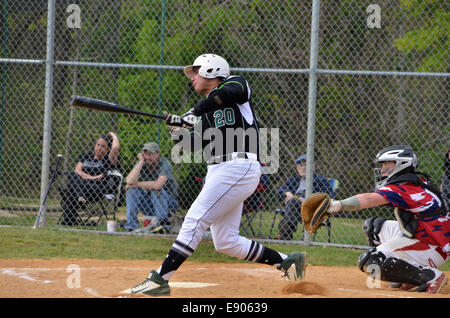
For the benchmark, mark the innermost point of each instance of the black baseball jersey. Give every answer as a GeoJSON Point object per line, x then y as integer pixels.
{"type": "Point", "coordinates": [228, 122]}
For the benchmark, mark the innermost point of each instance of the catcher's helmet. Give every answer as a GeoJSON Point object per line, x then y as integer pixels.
{"type": "Point", "coordinates": [405, 161]}
{"type": "Point", "coordinates": [211, 66]}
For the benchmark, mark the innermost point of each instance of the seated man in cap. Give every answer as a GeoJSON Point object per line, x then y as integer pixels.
{"type": "Point", "coordinates": [151, 189]}
{"type": "Point", "coordinates": [293, 193]}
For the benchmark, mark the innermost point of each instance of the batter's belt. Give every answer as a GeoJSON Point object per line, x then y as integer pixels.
{"type": "Point", "coordinates": [232, 156]}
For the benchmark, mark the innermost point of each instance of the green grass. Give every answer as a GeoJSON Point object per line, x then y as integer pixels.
{"type": "Point", "coordinates": [25, 242]}
{"type": "Point", "coordinates": [47, 243]}
{"type": "Point", "coordinates": [17, 203]}
{"type": "Point", "coordinates": [344, 230]}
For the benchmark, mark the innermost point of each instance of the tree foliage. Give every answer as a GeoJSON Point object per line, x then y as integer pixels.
{"type": "Point", "coordinates": [351, 110]}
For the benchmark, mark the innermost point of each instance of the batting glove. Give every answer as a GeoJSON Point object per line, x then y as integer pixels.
{"type": "Point", "coordinates": [177, 121]}
{"type": "Point", "coordinates": [190, 118]}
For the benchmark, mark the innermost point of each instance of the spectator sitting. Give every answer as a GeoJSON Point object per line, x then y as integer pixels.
{"type": "Point", "coordinates": [293, 193]}
{"type": "Point", "coordinates": [88, 183]}
{"type": "Point", "coordinates": [151, 189]}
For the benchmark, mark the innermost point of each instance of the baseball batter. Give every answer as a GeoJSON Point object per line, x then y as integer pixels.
{"type": "Point", "coordinates": [232, 176]}
{"type": "Point", "coordinates": [409, 251]}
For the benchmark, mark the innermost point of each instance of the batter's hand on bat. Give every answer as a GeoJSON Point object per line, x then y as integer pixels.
{"type": "Point", "coordinates": [190, 118]}
{"type": "Point", "coordinates": [179, 121]}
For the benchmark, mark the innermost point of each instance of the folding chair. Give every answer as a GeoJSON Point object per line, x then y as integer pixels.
{"type": "Point", "coordinates": [281, 212]}
{"type": "Point", "coordinates": [252, 207]}
{"type": "Point", "coordinates": [96, 211]}
{"type": "Point", "coordinates": [108, 205]}
{"type": "Point", "coordinates": [334, 186]}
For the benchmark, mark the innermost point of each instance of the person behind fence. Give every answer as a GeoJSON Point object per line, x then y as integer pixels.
{"type": "Point", "coordinates": [293, 193]}
{"type": "Point", "coordinates": [88, 182]}
{"type": "Point", "coordinates": [151, 189]}
{"type": "Point", "coordinates": [408, 251]}
{"type": "Point", "coordinates": [445, 184]}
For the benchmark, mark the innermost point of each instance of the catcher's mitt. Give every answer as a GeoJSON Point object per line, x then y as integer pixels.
{"type": "Point", "coordinates": [314, 211]}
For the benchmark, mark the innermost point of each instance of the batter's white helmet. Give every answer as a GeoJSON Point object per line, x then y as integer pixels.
{"type": "Point", "coordinates": [405, 161]}
{"type": "Point", "coordinates": [211, 66]}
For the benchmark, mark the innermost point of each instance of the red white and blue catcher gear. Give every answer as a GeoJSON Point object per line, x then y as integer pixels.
{"type": "Point", "coordinates": [415, 199]}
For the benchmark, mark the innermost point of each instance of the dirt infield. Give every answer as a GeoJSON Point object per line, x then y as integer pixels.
{"type": "Point", "coordinates": [90, 278]}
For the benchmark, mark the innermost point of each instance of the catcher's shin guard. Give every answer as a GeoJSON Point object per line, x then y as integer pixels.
{"type": "Point", "coordinates": [392, 269]}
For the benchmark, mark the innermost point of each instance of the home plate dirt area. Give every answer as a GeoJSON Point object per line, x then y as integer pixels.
{"type": "Point", "coordinates": [92, 278]}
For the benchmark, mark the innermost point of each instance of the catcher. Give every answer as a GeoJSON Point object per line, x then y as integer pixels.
{"type": "Point", "coordinates": [406, 252]}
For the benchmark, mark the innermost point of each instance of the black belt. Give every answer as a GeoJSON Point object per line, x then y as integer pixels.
{"type": "Point", "coordinates": [231, 156]}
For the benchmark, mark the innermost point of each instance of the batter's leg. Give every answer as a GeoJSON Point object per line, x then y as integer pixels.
{"type": "Point", "coordinates": [225, 189]}
{"type": "Point", "coordinates": [225, 233]}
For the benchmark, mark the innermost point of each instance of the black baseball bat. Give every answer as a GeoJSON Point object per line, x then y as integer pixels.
{"type": "Point", "coordinates": [52, 179]}
{"type": "Point", "coordinates": [104, 106]}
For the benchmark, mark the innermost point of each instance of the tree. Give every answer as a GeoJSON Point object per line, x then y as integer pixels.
{"type": "Point", "coordinates": [430, 37]}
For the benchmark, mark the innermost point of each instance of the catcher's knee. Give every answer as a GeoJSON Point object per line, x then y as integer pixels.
{"type": "Point", "coordinates": [390, 269]}
{"type": "Point", "coordinates": [372, 228]}
{"type": "Point", "coordinates": [369, 258]}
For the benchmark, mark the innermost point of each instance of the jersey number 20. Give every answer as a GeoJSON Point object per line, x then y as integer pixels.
{"type": "Point", "coordinates": [224, 117]}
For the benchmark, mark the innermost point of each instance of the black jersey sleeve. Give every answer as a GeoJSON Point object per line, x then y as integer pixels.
{"type": "Point", "coordinates": [232, 91]}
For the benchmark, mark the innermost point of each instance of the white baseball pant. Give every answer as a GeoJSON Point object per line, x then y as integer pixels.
{"type": "Point", "coordinates": [395, 244]}
{"type": "Point", "coordinates": [219, 207]}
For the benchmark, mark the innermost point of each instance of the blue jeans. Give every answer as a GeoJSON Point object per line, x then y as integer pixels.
{"type": "Point", "coordinates": [151, 203]}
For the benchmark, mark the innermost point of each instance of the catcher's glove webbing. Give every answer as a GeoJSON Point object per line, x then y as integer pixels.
{"type": "Point", "coordinates": [314, 211]}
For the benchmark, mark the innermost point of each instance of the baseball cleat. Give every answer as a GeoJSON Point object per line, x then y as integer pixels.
{"type": "Point", "coordinates": [154, 285]}
{"type": "Point", "coordinates": [434, 286]}
{"type": "Point", "coordinates": [294, 266]}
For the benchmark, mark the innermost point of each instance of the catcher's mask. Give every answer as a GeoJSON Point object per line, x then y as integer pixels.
{"type": "Point", "coordinates": [210, 66]}
{"type": "Point", "coordinates": [405, 161]}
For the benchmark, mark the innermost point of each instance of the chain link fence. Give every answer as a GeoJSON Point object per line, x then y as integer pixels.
{"type": "Point", "coordinates": [382, 79]}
